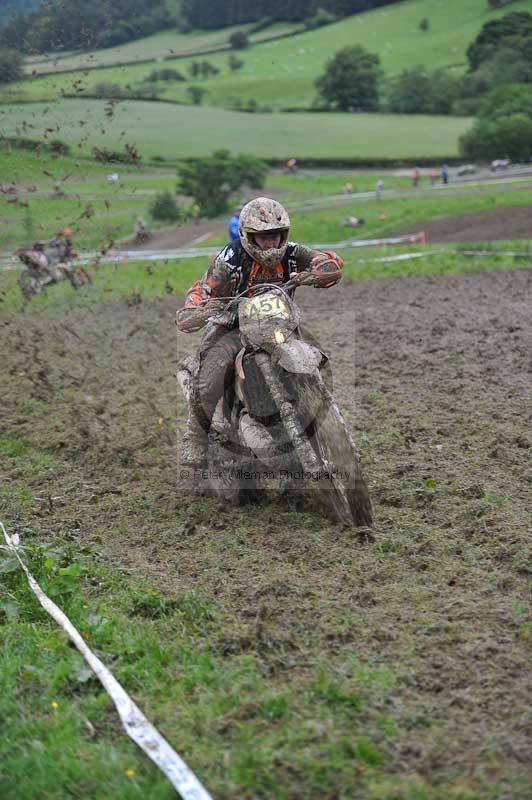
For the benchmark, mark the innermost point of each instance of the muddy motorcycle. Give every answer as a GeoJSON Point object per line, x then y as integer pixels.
{"type": "Point", "coordinates": [35, 277]}
{"type": "Point", "coordinates": [278, 418]}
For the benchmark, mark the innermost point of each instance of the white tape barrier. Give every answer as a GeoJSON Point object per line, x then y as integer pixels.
{"type": "Point", "coordinates": [491, 253]}
{"type": "Point", "coordinates": [9, 262]}
{"type": "Point", "coordinates": [400, 257]}
{"type": "Point", "coordinates": [137, 727]}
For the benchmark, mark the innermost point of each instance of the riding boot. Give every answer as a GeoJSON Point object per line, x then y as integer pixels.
{"type": "Point", "coordinates": [195, 443]}
{"type": "Point", "coordinates": [217, 354]}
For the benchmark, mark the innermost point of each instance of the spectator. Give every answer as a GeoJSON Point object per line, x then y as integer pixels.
{"type": "Point", "coordinates": [348, 188]}
{"type": "Point", "coordinates": [291, 166]}
{"type": "Point", "coordinates": [444, 173]}
{"type": "Point", "coordinates": [415, 177]}
{"type": "Point", "coordinates": [433, 177]}
{"type": "Point", "coordinates": [379, 188]}
{"type": "Point", "coordinates": [234, 225]}
{"type": "Point", "coordinates": [195, 212]}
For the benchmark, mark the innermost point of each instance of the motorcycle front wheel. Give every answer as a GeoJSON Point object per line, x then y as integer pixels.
{"type": "Point", "coordinates": [343, 485]}
{"type": "Point", "coordinates": [79, 277]}
{"type": "Point", "coordinates": [322, 443]}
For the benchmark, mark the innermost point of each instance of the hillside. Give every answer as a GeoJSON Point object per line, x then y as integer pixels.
{"type": "Point", "coordinates": [173, 131]}
{"type": "Point", "coordinates": [165, 44]}
{"type": "Point", "coordinates": [281, 74]}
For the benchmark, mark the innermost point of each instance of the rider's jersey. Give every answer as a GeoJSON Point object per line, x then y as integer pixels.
{"type": "Point", "coordinates": [233, 271]}
{"type": "Point", "coordinates": [58, 249]}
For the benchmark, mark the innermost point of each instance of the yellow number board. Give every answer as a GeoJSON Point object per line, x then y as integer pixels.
{"type": "Point", "coordinates": [266, 305]}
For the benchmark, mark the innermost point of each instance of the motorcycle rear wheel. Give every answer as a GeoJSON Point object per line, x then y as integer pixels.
{"type": "Point", "coordinates": [229, 477]}
{"type": "Point", "coordinates": [29, 286]}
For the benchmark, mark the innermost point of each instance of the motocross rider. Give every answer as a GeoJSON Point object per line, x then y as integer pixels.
{"type": "Point", "coordinates": [263, 255]}
{"type": "Point", "coordinates": [58, 250]}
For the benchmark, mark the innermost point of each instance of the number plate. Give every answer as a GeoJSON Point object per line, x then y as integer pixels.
{"type": "Point", "coordinates": [266, 305]}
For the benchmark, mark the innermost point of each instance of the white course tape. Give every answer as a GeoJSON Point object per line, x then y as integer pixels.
{"type": "Point", "coordinates": [137, 727]}
{"type": "Point", "coordinates": [9, 262]}
{"type": "Point", "coordinates": [400, 257]}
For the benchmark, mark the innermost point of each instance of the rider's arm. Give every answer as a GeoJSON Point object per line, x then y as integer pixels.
{"type": "Point", "coordinates": [200, 300]}
{"type": "Point", "coordinates": [306, 259]}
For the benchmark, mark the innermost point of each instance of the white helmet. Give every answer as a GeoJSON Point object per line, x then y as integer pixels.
{"type": "Point", "coordinates": [258, 216]}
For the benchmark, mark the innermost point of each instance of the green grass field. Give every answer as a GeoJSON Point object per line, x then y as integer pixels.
{"type": "Point", "coordinates": [173, 132]}
{"type": "Point", "coordinates": [281, 74]}
{"type": "Point", "coordinates": [161, 45]}
{"type": "Point", "coordinates": [99, 212]}
{"type": "Point", "coordinates": [96, 210]}
{"type": "Point", "coordinates": [114, 212]}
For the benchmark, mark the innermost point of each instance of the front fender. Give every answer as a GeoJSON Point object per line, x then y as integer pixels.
{"type": "Point", "coordinates": [298, 356]}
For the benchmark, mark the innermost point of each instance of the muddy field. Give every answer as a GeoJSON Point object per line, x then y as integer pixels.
{"type": "Point", "coordinates": [434, 376]}
{"type": "Point", "coordinates": [493, 225]}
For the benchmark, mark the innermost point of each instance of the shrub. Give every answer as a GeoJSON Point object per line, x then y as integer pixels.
{"type": "Point", "coordinates": [55, 146]}
{"type": "Point", "coordinates": [165, 208]}
{"type": "Point", "coordinates": [510, 31]}
{"type": "Point", "coordinates": [466, 106]}
{"type": "Point", "coordinates": [350, 80]}
{"type": "Point", "coordinates": [508, 137]}
{"type": "Point", "coordinates": [10, 65]}
{"type": "Point", "coordinates": [196, 94]}
{"type": "Point", "coordinates": [58, 147]}
{"type": "Point", "coordinates": [107, 89]}
{"type": "Point", "coordinates": [165, 74]}
{"type": "Point", "coordinates": [319, 18]}
{"type": "Point", "coordinates": [506, 100]}
{"type": "Point", "coordinates": [129, 155]}
{"type": "Point", "coordinates": [184, 26]}
{"type": "Point", "coordinates": [416, 91]}
{"type": "Point", "coordinates": [261, 25]}
{"type": "Point", "coordinates": [120, 33]}
{"type": "Point", "coordinates": [202, 69]}
{"type": "Point", "coordinates": [239, 40]}
{"type": "Point", "coordinates": [506, 65]}
{"type": "Point", "coordinates": [206, 69]}
{"type": "Point", "coordinates": [210, 181]}
{"type": "Point", "coordinates": [235, 62]}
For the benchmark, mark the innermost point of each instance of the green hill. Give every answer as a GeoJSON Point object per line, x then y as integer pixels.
{"type": "Point", "coordinates": [165, 44]}
{"type": "Point", "coordinates": [281, 73]}
{"type": "Point", "coordinates": [172, 131]}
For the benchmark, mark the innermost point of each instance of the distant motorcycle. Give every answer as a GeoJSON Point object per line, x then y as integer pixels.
{"type": "Point", "coordinates": [279, 417]}
{"type": "Point", "coordinates": [141, 237]}
{"type": "Point", "coordinates": [40, 273]}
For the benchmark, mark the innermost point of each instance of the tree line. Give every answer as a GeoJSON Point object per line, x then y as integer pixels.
{"type": "Point", "coordinates": [9, 8]}
{"type": "Point", "coordinates": [76, 24]}
{"type": "Point", "coordinates": [206, 14]}
{"type": "Point", "coordinates": [497, 88]}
